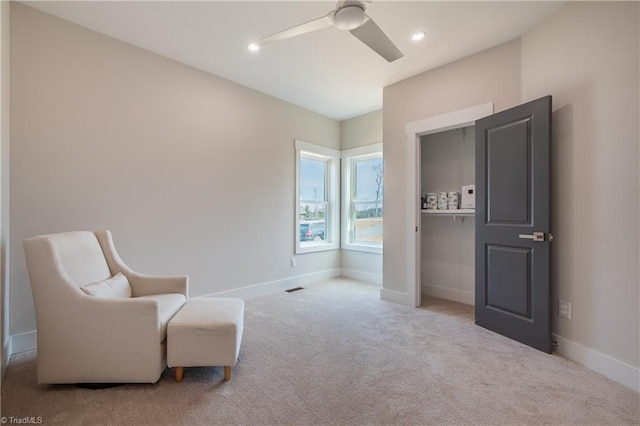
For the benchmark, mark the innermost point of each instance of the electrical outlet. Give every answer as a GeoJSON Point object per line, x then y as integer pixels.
{"type": "Point", "coordinates": [564, 309]}
{"type": "Point", "coordinates": [293, 262]}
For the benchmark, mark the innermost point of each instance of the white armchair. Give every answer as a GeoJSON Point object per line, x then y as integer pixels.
{"type": "Point", "coordinates": [103, 338]}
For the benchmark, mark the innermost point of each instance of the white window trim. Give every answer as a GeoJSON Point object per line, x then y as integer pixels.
{"type": "Point", "coordinates": [333, 197]}
{"type": "Point", "coordinates": [347, 188]}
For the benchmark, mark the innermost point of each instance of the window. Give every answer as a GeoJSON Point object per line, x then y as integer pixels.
{"type": "Point", "coordinates": [362, 205]}
{"type": "Point", "coordinates": [316, 198]}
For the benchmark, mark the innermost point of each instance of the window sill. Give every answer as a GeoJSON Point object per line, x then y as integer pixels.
{"type": "Point", "coordinates": [313, 248]}
{"type": "Point", "coordinates": [363, 248]}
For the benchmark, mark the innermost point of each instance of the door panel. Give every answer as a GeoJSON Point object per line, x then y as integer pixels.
{"type": "Point", "coordinates": [512, 202]}
{"type": "Point", "coordinates": [506, 266]}
{"type": "Point", "coordinates": [508, 148]}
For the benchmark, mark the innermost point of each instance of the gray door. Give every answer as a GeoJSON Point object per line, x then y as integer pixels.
{"type": "Point", "coordinates": [513, 223]}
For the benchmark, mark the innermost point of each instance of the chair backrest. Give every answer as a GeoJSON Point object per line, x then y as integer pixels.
{"type": "Point", "coordinates": [77, 253]}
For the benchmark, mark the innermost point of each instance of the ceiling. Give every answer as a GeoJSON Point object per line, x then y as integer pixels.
{"type": "Point", "coordinates": [328, 71]}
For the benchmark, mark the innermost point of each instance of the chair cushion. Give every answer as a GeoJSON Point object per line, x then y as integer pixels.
{"type": "Point", "coordinates": [170, 304]}
{"type": "Point", "coordinates": [116, 286]}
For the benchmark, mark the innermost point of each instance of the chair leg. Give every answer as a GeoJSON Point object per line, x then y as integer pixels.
{"type": "Point", "coordinates": [227, 373]}
{"type": "Point", "coordinates": [179, 372]}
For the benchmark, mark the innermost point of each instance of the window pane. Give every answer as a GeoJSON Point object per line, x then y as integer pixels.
{"type": "Point", "coordinates": [313, 211]}
{"type": "Point", "coordinates": [317, 205]}
{"type": "Point", "coordinates": [313, 223]}
{"type": "Point", "coordinates": [368, 223]}
{"type": "Point", "coordinates": [312, 231]}
{"type": "Point", "coordinates": [368, 179]}
{"type": "Point", "coordinates": [313, 179]}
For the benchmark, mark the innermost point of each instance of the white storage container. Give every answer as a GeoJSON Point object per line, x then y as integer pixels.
{"type": "Point", "coordinates": [452, 201]}
{"type": "Point", "coordinates": [468, 200]}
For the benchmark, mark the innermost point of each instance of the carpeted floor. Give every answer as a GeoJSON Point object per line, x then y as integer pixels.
{"type": "Point", "coordinates": [334, 353]}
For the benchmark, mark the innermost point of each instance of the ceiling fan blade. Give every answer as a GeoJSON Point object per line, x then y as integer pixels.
{"type": "Point", "coordinates": [307, 27]}
{"type": "Point", "coordinates": [370, 34]}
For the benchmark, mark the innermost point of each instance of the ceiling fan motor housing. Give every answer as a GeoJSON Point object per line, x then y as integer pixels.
{"type": "Point", "coordinates": [349, 18]}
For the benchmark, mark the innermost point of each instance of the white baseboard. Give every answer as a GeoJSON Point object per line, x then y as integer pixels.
{"type": "Point", "coordinates": [271, 287]}
{"type": "Point", "coordinates": [395, 296]}
{"type": "Point", "coordinates": [612, 368]}
{"type": "Point", "coordinates": [6, 356]}
{"type": "Point", "coordinates": [23, 342]}
{"type": "Point", "coordinates": [362, 276]}
{"type": "Point", "coordinates": [461, 296]}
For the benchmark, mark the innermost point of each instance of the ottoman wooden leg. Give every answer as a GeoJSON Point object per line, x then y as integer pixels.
{"type": "Point", "coordinates": [227, 373]}
{"type": "Point", "coordinates": [179, 372]}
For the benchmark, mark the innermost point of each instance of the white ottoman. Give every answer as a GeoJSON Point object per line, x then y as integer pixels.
{"type": "Point", "coordinates": [206, 332]}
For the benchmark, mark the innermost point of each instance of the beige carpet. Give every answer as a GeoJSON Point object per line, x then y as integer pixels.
{"type": "Point", "coordinates": [334, 353]}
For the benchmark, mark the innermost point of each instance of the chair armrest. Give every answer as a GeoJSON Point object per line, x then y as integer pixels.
{"type": "Point", "coordinates": [145, 285]}
{"type": "Point", "coordinates": [103, 328]}
{"type": "Point", "coordinates": [141, 284]}
{"type": "Point", "coordinates": [116, 313]}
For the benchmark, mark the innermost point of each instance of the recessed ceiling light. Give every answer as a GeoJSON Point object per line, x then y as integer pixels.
{"type": "Point", "coordinates": [418, 35]}
{"type": "Point", "coordinates": [254, 47]}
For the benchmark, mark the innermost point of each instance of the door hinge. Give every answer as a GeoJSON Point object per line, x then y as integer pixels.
{"type": "Point", "coordinates": [416, 229]}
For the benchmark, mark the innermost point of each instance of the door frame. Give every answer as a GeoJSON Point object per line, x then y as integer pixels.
{"type": "Point", "coordinates": [414, 131]}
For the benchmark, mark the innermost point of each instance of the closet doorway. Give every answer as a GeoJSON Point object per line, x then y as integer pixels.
{"type": "Point", "coordinates": [415, 132]}
{"type": "Point", "coordinates": [512, 215]}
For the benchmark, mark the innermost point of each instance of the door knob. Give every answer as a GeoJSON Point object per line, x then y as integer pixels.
{"type": "Point", "coordinates": [536, 236]}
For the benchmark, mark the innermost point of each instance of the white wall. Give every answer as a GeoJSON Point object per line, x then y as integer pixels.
{"type": "Point", "coordinates": [586, 56]}
{"type": "Point", "coordinates": [192, 174]}
{"type": "Point", "coordinates": [4, 184]}
{"type": "Point", "coordinates": [448, 245]}
{"type": "Point", "coordinates": [356, 132]}
{"type": "Point", "coordinates": [489, 76]}
{"type": "Point", "coordinates": [363, 130]}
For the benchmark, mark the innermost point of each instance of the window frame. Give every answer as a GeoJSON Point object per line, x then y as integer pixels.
{"type": "Point", "coordinates": [332, 216]}
{"type": "Point", "coordinates": [348, 189]}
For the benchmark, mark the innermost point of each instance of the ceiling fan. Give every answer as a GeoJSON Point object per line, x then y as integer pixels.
{"type": "Point", "coordinates": [348, 15]}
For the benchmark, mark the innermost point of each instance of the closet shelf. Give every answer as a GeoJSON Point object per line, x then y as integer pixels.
{"type": "Point", "coordinates": [453, 212]}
